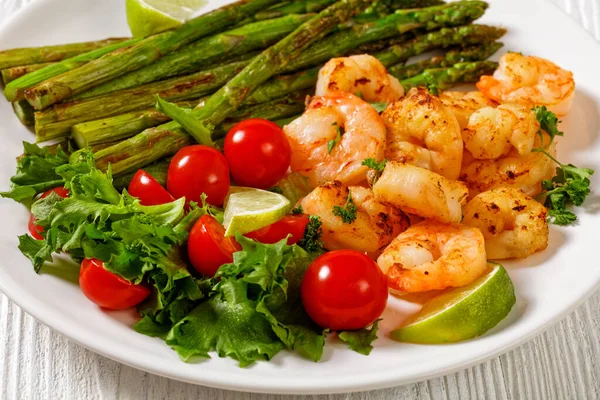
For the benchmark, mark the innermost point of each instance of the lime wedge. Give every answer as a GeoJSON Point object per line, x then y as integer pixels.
{"type": "Point", "coordinates": [461, 313]}
{"type": "Point", "coordinates": [248, 209]}
{"type": "Point", "coordinates": [147, 17]}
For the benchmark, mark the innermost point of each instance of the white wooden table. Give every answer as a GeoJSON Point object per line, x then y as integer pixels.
{"type": "Point", "coordinates": [562, 363]}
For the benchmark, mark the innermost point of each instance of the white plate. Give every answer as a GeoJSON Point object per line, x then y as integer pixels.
{"type": "Point", "coordinates": [548, 285]}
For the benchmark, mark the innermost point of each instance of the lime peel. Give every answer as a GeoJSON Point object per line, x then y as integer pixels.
{"type": "Point", "coordinates": [248, 209]}
{"type": "Point", "coordinates": [148, 17]}
{"type": "Point", "coordinates": [461, 313]}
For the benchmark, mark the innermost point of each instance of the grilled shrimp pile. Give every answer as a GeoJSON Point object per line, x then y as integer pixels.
{"type": "Point", "coordinates": [455, 172]}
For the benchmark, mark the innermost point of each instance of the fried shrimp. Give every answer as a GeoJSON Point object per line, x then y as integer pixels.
{"type": "Point", "coordinates": [464, 104]}
{"type": "Point", "coordinates": [375, 226]}
{"type": "Point", "coordinates": [434, 256]}
{"type": "Point", "coordinates": [424, 132]}
{"type": "Point", "coordinates": [532, 81]}
{"type": "Point", "coordinates": [522, 172]}
{"type": "Point", "coordinates": [492, 132]}
{"type": "Point", "coordinates": [421, 192]}
{"type": "Point", "coordinates": [333, 137]}
{"type": "Point", "coordinates": [362, 74]}
{"type": "Point", "coordinates": [513, 224]}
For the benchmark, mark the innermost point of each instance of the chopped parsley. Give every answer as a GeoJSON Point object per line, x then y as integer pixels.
{"type": "Point", "coordinates": [298, 210]}
{"type": "Point", "coordinates": [378, 167]}
{"type": "Point", "coordinates": [311, 242]}
{"type": "Point", "coordinates": [348, 212]}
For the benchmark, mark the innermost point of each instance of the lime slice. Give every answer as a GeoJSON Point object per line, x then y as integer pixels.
{"type": "Point", "coordinates": [461, 313]}
{"type": "Point", "coordinates": [248, 209]}
{"type": "Point", "coordinates": [147, 17]}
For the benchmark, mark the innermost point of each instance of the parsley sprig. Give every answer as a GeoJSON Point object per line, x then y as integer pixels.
{"type": "Point", "coordinates": [571, 185]}
{"type": "Point", "coordinates": [347, 212]}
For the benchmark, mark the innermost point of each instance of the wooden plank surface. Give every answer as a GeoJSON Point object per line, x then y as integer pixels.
{"type": "Point", "coordinates": [562, 363]}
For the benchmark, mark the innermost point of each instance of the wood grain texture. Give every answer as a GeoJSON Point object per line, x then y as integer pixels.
{"type": "Point", "coordinates": [562, 363]}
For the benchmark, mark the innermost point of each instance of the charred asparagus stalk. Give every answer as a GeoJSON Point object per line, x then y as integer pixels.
{"type": "Point", "coordinates": [445, 78]}
{"type": "Point", "coordinates": [56, 122]}
{"type": "Point", "coordinates": [10, 74]}
{"type": "Point", "coordinates": [207, 51]}
{"type": "Point", "coordinates": [146, 52]}
{"type": "Point", "coordinates": [36, 55]}
{"type": "Point", "coordinates": [454, 56]}
{"type": "Point", "coordinates": [15, 90]}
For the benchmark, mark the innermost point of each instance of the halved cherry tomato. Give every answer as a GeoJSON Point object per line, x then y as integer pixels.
{"type": "Point", "coordinates": [148, 190]}
{"type": "Point", "coordinates": [258, 153]}
{"type": "Point", "coordinates": [208, 248]}
{"type": "Point", "coordinates": [294, 225]}
{"type": "Point", "coordinates": [344, 290]}
{"type": "Point", "coordinates": [34, 229]}
{"type": "Point", "coordinates": [108, 290]}
{"type": "Point", "coordinates": [199, 169]}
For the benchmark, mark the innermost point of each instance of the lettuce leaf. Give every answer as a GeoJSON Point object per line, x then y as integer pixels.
{"type": "Point", "coordinates": [361, 340]}
{"type": "Point", "coordinates": [36, 172]}
{"type": "Point", "coordinates": [228, 323]}
{"type": "Point", "coordinates": [255, 308]}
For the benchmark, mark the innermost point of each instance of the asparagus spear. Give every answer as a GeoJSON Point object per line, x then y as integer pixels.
{"type": "Point", "coordinates": [285, 55]}
{"type": "Point", "coordinates": [15, 90]}
{"type": "Point", "coordinates": [121, 127]}
{"type": "Point", "coordinates": [378, 8]}
{"type": "Point", "coordinates": [144, 53]}
{"type": "Point", "coordinates": [254, 36]}
{"type": "Point", "coordinates": [445, 78]}
{"type": "Point", "coordinates": [446, 37]}
{"type": "Point", "coordinates": [57, 121]}
{"type": "Point", "coordinates": [454, 56]}
{"type": "Point", "coordinates": [10, 74]}
{"type": "Point", "coordinates": [24, 112]}
{"type": "Point", "coordinates": [36, 55]}
{"type": "Point", "coordinates": [431, 18]}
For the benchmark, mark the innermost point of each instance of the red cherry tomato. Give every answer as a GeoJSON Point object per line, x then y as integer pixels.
{"type": "Point", "coordinates": [108, 290]}
{"type": "Point", "coordinates": [34, 229]}
{"type": "Point", "coordinates": [294, 225]}
{"type": "Point", "coordinates": [208, 248]}
{"type": "Point", "coordinates": [199, 169]}
{"type": "Point", "coordinates": [258, 153]}
{"type": "Point", "coordinates": [148, 190]}
{"type": "Point", "coordinates": [344, 290]}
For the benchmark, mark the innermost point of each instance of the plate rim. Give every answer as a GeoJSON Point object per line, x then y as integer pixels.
{"type": "Point", "coordinates": [30, 304]}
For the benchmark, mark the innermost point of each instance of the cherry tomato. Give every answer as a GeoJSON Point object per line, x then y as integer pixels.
{"type": "Point", "coordinates": [199, 169]}
{"type": "Point", "coordinates": [208, 248]}
{"type": "Point", "coordinates": [108, 290]}
{"type": "Point", "coordinates": [344, 290]}
{"type": "Point", "coordinates": [289, 225]}
{"type": "Point", "coordinates": [148, 190]}
{"type": "Point", "coordinates": [34, 229]}
{"type": "Point", "coordinates": [258, 153]}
